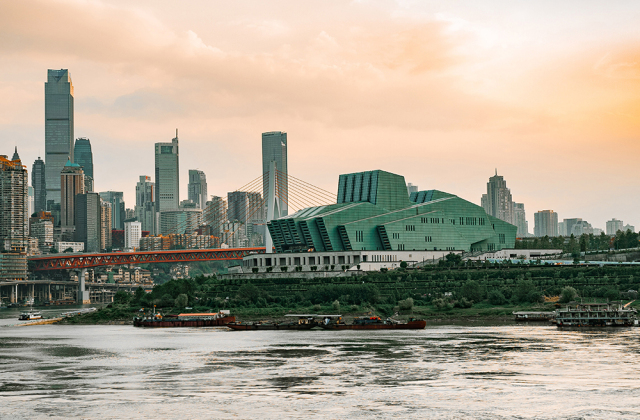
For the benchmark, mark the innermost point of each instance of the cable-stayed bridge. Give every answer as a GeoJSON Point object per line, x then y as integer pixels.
{"type": "Point", "coordinates": [232, 221]}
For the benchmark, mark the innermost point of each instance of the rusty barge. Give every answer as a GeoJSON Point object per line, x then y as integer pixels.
{"type": "Point", "coordinates": [214, 319]}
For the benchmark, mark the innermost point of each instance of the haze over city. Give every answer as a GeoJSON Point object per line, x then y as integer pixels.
{"type": "Point", "coordinates": [442, 93]}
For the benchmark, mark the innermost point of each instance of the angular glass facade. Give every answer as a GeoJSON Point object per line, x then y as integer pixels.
{"type": "Point", "coordinates": [83, 156]}
{"type": "Point", "coordinates": [374, 213]}
{"type": "Point", "coordinates": [39, 184]}
{"type": "Point", "coordinates": [274, 149]}
{"type": "Point", "coordinates": [167, 164]}
{"type": "Point", "coordinates": [58, 128]}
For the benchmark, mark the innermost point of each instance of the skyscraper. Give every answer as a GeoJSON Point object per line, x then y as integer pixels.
{"type": "Point", "coordinates": [88, 218]}
{"type": "Point", "coordinates": [132, 235]}
{"type": "Point", "coordinates": [105, 224]}
{"type": "Point", "coordinates": [58, 128]}
{"type": "Point", "coordinates": [145, 210]}
{"type": "Point", "coordinates": [613, 226]}
{"type": "Point", "coordinates": [117, 208]}
{"type": "Point", "coordinates": [274, 149]}
{"type": "Point", "coordinates": [14, 183]}
{"type": "Point", "coordinates": [197, 188]}
{"type": "Point", "coordinates": [546, 223]}
{"type": "Point", "coordinates": [38, 181]}
{"type": "Point", "coordinates": [520, 220]}
{"type": "Point", "coordinates": [83, 156]}
{"type": "Point", "coordinates": [71, 184]}
{"type": "Point", "coordinates": [167, 175]}
{"type": "Point", "coordinates": [497, 202]}
{"type": "Point", "coordinates": [215, 214]}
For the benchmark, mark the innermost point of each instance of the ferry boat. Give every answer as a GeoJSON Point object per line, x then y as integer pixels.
{"type": "Point", "coordinates": [30, 315]}
{"type": "Point", "coordinates": [156, 320]}
{"type": "Point", "coordinates": [335, 322]}
{"type": "Point", "coordinates": [611, 314]}
{"type": "Point", "coordinates": [304, 322]}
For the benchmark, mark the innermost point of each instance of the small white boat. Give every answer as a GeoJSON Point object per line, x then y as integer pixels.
{"type": "Point", "coordinates": [31, 315]}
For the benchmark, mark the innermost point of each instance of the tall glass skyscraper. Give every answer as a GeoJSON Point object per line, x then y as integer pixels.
{"type": "Point", "coordinates": [274, 149]}
{"type": "Point", "coordinates": [115, 198]}
{"type": "Point", "coordinates": [83, 156]}
{"type": "Point", "coordinates": [167, 175]}
{"type": "Point", "coordinates": [197, 188]}
{"type": "Point", "coordinates": [58, 128]}
{"type": "Point", "coordinates": [39, 184]}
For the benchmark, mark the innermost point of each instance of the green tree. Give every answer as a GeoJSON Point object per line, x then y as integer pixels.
{"type": "Point", "coordinates": [181, 301]}
{"type": "Point", "coordinates": [568, 294]}
{"type": "Point", "coordinates": [336, 305]}
{"type": "Point", "coordinates": [121, 297]}
{"type": "Point", "coordinates": [522, 290]}
{"type": "Point", "coordinates": [406, 304]}
{"type": "Point", "coordinates": [403, 264]}
{"type": "Point", "coordinates": [249, 292]}
{"type": "Point", "coordinates": [496, 297]}
{"type": "Point", "coordinates": [472, 291]}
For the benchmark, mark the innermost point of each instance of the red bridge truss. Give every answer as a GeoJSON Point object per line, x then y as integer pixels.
{"type": "Point", "coordinates": [77, 261]}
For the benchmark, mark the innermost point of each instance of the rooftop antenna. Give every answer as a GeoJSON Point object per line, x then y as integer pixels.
{"type": "Point", "coordinates": [496, 171]}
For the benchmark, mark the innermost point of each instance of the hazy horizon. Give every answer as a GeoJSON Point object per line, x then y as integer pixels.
{"type": "Point", "coordinates": [439, 92]}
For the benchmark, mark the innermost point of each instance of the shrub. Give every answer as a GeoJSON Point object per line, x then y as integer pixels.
{"type": "Point", "coordinates": [568, 294]}
{"type": "Point", "coordinates": [336, 305]}
{"type": "Point", "coordinates": [284, 268]}
{"type": "Point", "coordinates": [317, 308]}
{"type": "Point", "coordinates": [314, 267]}
{"type": "Point", "coordinates": [354, 308]}
{"type": "Point", "coordinates": [406, 304]}
{"type": "Point", "coordinates": [403, 264]}
{"type": "Point", "coordinates": [464, 303]}
{"type": "Point", "coordinates": [439, 304]}
{"type": "Point", "coordinates": [496, 298]}
{"type": "Point", "coordinates": [472, 291]}
{"type": "Point", "coordinates": [612, 294]}
{"type": "Point", "coordinates": [269, 269]}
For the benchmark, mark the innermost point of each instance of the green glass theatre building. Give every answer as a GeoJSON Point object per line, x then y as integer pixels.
{"type": "Point", "coordinates": [374, 212]}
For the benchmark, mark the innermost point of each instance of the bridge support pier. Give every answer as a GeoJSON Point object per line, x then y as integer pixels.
{"type": "Point", "coordinates": [83, 295]}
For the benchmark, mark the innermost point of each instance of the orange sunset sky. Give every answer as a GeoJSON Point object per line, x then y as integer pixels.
{"type": "Point", "coordinates": [442, 92]}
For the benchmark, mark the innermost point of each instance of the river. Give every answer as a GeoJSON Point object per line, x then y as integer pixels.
{"type": "Point", "coordinates": [443, 372]}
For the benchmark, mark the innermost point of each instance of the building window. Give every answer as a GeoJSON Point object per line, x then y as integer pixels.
{"type": "Point", "coordinates": [427, 238]}
{"type": "Point", "coordinates": [501, 238]}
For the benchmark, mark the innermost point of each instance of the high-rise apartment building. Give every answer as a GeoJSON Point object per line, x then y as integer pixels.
{"type": "Point", "coordinates": [132, 235]}
{"type": "Point", "coordinates": [145, 210]}
{"type": "Point", "coordinates": [42, 230]}
{"type": "Point", "coordinates": [546, 223]}
{"type": "Point", "coordinates": [613, 226]}
{"type": "Point", "coordinates": [520, 220]}
{"type": "Point", "coordinates": [497, 202]}
{"type": "Point", "coordinates": [58, 128]}
{"type": "Point", "coordinates": [118, 214]}
{"type": "Point", "coordinates": [38, 181]}
{"type": "Point", "coordinates": [215, 214]}
{"type": "Point", "coordinates": [83, 156]}
{"type": "Point", "coordinates": [88, 221]}
{"type": "Point", "coordinates": [274, 149]}
{"type": "Point", "coordinates": [569, 224]}
{"type": "Point", "coordinates": [167, 165]}
{"type": "Point", "coordinates": [105, 224]}
{"type": "Point", "coordinates": [248, 209]}
{"type": "Point", "coordinates": [14, 183]}
{"type": "Point", "coordinates": [197, 188]}
{"type": "Point", "coordinates": [71, 184]}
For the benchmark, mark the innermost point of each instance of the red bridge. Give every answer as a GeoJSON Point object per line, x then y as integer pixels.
{"type": "Point", "coordinates": [77, 261]}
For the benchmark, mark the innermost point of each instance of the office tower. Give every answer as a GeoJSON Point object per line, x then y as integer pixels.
{"type": "Point", "coordinates": [58, 128]}
{"type": "Point", "coordinates": [42, 230]}
{"type": "Point", "coordinates": [83, 156]}
{"type": "Point", "coordinates": [613, 226]}
{"type": "Point", "coordinates": [248, 209]}
{"type": "Point", "coordinates": [71, 184]}
{"type": "Point", "coordinates": [497, 202]}
{"type": "Point", "coordinates": [132, 235]}
{"type": "Point", "coordinates": [520, 220]}
{"type": "Point", "coordinates": [145, 210]}
{"type": "Point", "coordinates": [562, 229]}
{"type": "Point", "coordinates": [14, 183]}
{"type": "Point", "coordinates": [274, 149]}
{"type": "Point", "coordinates": [118, 214]}
{"type": "Point", "coordinates": [629, 228]}
{"type": "Point", "coordinates": [88, 221]}
{"type": "Point", "coordinates": [570, 223]}
{"type": "Point", "coordinates": [105, 224]}
{"type": "Point", "coordinates": [580, 228]}
{"type": "Point", "coordinates": [215, 214]}
{"type": "Point", "coordinates": [546, 223]}
{"type": "Point", "coordinates": [39, 185]}
{"type": "Point", "coordinates": [197, 188]}
{"type": "Point", "coordinates": [167, 175]}
{"type": "Point", "coordinates": [411, 188]}
{"type": "Point", "coordinates": [183, 220]}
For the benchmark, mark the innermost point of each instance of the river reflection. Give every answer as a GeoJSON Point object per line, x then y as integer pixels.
{"type": "Point", "coordinates": [442, 372]}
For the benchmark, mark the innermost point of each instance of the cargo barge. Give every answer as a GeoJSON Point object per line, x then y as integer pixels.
{"type": "Point", "coordinates": [304, 322]}
{"type": "Point", "coordinates": [335, 322]}
{"type": "Point", "coordinates": [611, 314]}
{"type": "Point", "coordinates": [214, 319]}
{"type": "Point", "coordinates": [528, 316]}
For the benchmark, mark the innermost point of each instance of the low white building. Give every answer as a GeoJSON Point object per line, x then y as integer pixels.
{"type": "Point", "coordinates": [75, 246]}
{"type": "Point", "coordinates": [132, 235]}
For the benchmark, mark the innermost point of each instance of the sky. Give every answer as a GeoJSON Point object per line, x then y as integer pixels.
{"type": "Point", "coordinates": [441, 92]}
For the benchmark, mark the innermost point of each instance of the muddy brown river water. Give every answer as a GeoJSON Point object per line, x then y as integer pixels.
{"type": "Point", "coordinates": [443, 372]}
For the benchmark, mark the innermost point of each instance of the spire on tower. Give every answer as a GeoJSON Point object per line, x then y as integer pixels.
{"type": "Point", "coordinates": [15, 154]}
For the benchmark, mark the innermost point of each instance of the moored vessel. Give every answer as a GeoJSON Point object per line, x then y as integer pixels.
{"type": "Point", "coordinates": [30, 315]}
{"type": "Point", "coordinates": [610, 314]}
{"type": "Point", "coordinates": [529, 316]}
{"type": "Point", "coordinates": [335, 322]}
{"type": "Point", "coordinates": [304, 322]}
{"type": "Point", "coordinates": [156, 320]}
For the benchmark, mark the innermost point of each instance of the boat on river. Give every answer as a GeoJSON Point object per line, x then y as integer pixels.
{"type": "Point", "coordinates": [30, 315]}
{"type": "Point", "coordinates": [532, 316]}
{"type": "Point", "coordinates": [610, 314]}
{"type": "Point", "coordinates": [304, 322]}
{"type": "Point", "coordinates": [336, 322]}
{"type": "Point", "coordinates": [156, 320]}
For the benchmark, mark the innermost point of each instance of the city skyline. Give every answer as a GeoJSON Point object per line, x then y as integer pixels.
{"type": "Point", "coordinates": [534, 149]}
